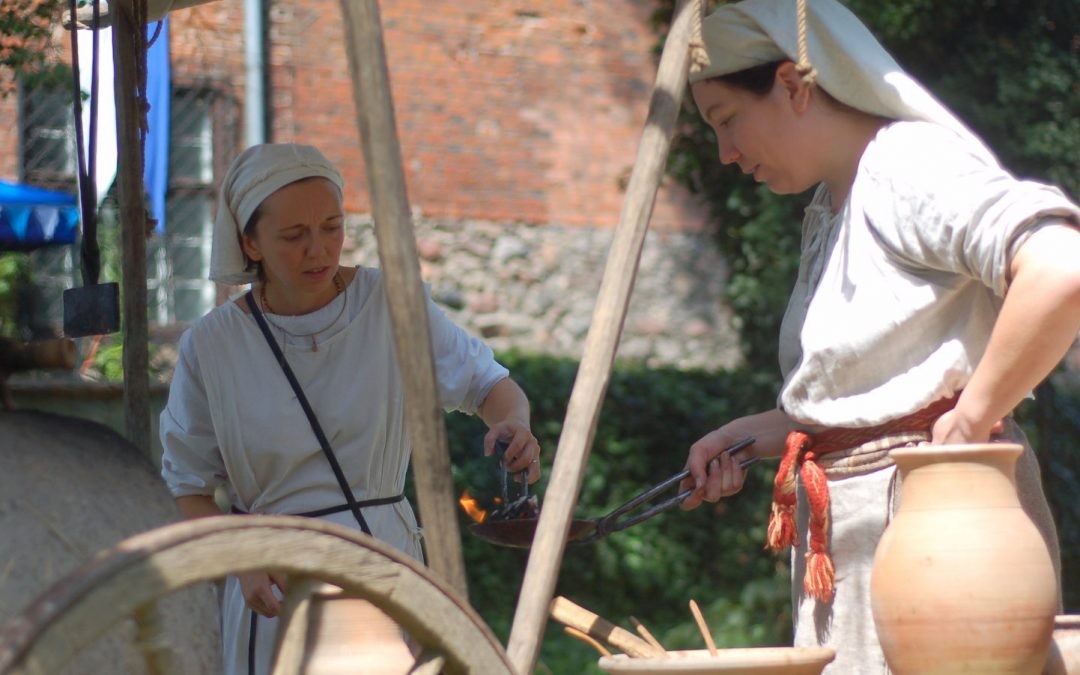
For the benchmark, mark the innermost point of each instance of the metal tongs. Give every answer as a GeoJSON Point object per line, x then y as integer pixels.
{"type": "Point", "coordinates": [614, 521]}
{"type": "Point", "coordinates": [510, 525]}
{"type": "Point", "coordinates": [511, 508]}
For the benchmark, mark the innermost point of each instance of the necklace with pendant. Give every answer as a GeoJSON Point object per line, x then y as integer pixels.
{"type": "Point", "coordinates": [339, 285]}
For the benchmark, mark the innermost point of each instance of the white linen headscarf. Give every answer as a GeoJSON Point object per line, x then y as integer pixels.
{"type": "Point", "coordinates": [254, 175]}
{"type": "Point", "coordinates": [850, 64]}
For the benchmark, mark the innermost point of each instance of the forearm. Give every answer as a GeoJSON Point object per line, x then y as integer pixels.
{"type": "Point", "coordinates": [506, 402]}
{"type": "Point", "coordinates": [1038, 323]}
{"type": "Point", "coordinates": [197, 506]}
{"type": "Point", "coordinates": [769, 429]}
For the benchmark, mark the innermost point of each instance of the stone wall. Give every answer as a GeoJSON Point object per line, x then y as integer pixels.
{"type": "Point", "coordinates": [535, 288]}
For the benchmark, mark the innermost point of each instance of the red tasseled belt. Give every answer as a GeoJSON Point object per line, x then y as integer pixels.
{"type": "Point", "coordinates": [801, 452]}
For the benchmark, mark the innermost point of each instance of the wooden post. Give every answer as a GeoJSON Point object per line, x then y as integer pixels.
{"type": "Point", "coordinates": [408, 307]}
{"type": "Point", "coordinates": [126, 55]}
{"type": "Point", "coordinates": [579, 427]}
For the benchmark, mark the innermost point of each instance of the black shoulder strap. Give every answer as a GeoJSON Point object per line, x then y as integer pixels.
{"type": "Point", "coordinates": [350, 499]}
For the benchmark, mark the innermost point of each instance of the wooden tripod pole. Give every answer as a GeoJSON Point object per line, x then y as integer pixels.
{"type": "Point", "coordinates": [128, 52]}
{"type": "Point", "coordinates": [579, 427]}
{"type": "Point", "coordinates": [408, 307]}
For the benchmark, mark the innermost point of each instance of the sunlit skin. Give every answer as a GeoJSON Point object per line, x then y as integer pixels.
{"type": "Point", "coordinates": [792, 138]}
{"type": "Point", "coordinates": [298, 239]}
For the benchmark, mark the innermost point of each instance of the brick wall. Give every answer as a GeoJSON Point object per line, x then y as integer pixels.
{"type": "Point", "coordinates": [519, 124]}
{"type": "Point", "coordinates": [9, 137]}
{"type": "Point", "coordinates": [207, 46]}
{"type": "Point", "coordinates": [508, 110]}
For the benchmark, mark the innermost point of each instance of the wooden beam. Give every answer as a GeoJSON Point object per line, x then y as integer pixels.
{"type": "Point", "coordinates": [579, 427]}
{"type": "Point", "coordinates": [408, 306]}
{"type": "Point", "coordinates": [128, 51]}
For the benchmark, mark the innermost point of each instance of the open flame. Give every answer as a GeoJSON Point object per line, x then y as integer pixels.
{"type": "Point", "coordinates": [469, 504]}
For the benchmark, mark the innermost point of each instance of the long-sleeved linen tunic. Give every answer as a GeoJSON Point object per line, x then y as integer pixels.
{"type": "Point", "coordinates": [896, 297]}
{"type": "Point", "coordinates": [232, 419]}
{"type": "Point", "coordinates": [899, 290]}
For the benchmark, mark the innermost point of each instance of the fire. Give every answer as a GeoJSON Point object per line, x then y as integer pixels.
{"type": "Point", "coordinates": [469, 504]}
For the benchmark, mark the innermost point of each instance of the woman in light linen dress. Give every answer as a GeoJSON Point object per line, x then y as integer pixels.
{"type": "Point", "coordinates": [935, 291]}
{"type": "Point", "coordinates": [233, 420]}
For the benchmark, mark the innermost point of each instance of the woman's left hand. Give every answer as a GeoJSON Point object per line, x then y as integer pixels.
{"type": "Point", "coordinates": [522, 451]}
{"type": "Point", "coordinates": [952, 428]}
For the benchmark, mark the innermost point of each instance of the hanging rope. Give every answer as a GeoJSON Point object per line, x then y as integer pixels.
{"type": "Point", "coordinates": [86, 153]}
{"type": "Point", "coordinates": [805, 68]}
{"type": "Point", "coordinates": [699, 58]}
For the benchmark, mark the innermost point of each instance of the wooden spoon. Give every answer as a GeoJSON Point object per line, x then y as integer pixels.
{"type": "Point", "coordinates": [703, 627]}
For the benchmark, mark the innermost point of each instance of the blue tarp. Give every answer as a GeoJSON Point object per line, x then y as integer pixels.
{"type": "Point", "coordinates": [32, 217]}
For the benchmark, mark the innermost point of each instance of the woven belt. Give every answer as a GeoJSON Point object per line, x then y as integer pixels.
{"type": "Point", "coordinates": [336, 509]}
{"type": "Point", "coordinates": [802, 453]}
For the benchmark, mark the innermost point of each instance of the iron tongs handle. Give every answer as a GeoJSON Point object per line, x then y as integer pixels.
{"type": "Point", "coordinates": [501, 446]}
{"type": "Point", "coordinates": [611, 523]}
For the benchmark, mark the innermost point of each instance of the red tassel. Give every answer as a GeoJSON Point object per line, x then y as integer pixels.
{"type": "Point", "coordinates": [819, 581]}
{"type": "Point", "coordinates": [782, 531]}
{"type": "Point", "coordinates": [819, 565]}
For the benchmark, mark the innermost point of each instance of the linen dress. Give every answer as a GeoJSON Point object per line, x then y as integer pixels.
{"type": "Point", "coordinates": [232, 419]}
{"type": "Point", "coordinates": [893, 308]}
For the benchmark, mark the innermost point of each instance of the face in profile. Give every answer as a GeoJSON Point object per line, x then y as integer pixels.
{"type": "Point", "coordinates": [762, 134]}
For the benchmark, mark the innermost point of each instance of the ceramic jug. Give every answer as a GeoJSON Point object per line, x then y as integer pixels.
{"type": "Point", "coordinates": [962, 580]}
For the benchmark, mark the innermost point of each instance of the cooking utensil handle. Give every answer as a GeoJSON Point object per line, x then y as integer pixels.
{"type": "Point", "coordinates": [500, 449]}
{"type": "Point", "coordinates": [610, 523]}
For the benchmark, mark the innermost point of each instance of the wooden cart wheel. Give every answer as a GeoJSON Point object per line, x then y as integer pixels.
{"type": "Point", "coordinates": [123, 580]}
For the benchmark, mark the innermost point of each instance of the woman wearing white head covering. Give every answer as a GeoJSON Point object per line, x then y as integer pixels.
{"type": "Point", "coordinates": [935, 291]}
{"type": "Point", "coordinates": [232, 419]}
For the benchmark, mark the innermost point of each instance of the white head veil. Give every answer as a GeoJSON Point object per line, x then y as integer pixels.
{"type": "Point", "coordinates": [254, 175]}
{"type": "Point", "coordinates": [850, 64]}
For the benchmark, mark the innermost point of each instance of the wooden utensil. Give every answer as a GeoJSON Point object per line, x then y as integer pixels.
{"type": "Point", "coordinates": [587, 622]}
{"type": "Point", "coordinates": [644, 632]}
{"type": "Point", "coordinates": [587, 639]}
{"type": "Point", "coordinates": [703, 627]}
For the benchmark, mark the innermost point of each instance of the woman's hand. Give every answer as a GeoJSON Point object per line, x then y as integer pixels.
{"type": "Point", "coordinates": [715, 474]}
{"type": "Point", "coordinates": [258, 591]}
{"type": "Point", "coordinates": [953, 428]}
{"type": "Point", "coordinates": [522, 449]}
{"type": "Point", "coordinates": [506, 411]}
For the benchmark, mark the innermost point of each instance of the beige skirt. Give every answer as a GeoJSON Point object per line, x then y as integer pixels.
{"type": "Point", "coordinates": [863, 496]}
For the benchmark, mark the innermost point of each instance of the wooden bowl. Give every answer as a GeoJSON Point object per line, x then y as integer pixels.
{"type": "Point", "coordinates": [752, 660]}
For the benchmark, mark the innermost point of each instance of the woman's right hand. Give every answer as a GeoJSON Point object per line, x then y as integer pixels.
{"type": "Point", "coordinates": [258, 591]}
{"type": "Point", "coordinates": [715, 474]}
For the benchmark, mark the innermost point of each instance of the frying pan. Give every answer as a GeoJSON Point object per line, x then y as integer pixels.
{"type": "Point", "coordinates": [518, 532]}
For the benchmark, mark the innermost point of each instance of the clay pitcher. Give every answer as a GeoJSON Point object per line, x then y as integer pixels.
{"type": "Point", "coordinates": [962, 580]}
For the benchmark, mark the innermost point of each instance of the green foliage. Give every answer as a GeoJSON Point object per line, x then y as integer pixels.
{"type": "Point", "coordinates": [713, 554]}
{"type": "Point", "coordinates": [13, 275]}
{"type": "Point", "coordinates": [25, 30]}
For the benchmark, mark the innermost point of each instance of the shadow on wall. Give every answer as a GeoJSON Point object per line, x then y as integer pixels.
{"type": "Point", "coordinates": [70, 488]}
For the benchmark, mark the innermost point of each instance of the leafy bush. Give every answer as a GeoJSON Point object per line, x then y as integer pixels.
{"type": "Point", "coordinates": [714, 554]}
{"type": "Point", "coordinates": [650, 571]}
